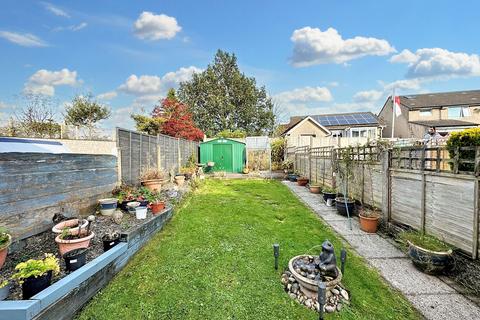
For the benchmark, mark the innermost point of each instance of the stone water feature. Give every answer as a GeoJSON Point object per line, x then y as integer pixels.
{"type": "Point", "coordinates": [302, 278]}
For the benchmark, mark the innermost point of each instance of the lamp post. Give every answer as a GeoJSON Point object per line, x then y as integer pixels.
{"type": "Point", "coordinates": [343, 259]}
{"type": "Point", "coordinates": [276, 254]}
{"type": "Point", "coordinates": [322, 290]}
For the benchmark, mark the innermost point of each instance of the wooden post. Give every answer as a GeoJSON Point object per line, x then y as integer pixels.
{"type": "Point", "coordinates": [159, 158]}
{"type": "Point", "coordinates": [477, 161]}
{"type": "Point", "coordinates": [140, 164]}
{"type": "Point", "coordinates": [456, 160]}
{"type": "Point", "coordinates": [388, 184]}
{"type": "Point", "coordinates": [130, 156]}
{"type": "Point", "coordinates": [438, 159]}
{"type": "Point", "coordinates": [476, 214]}
{"type": "Point", "coordinates": [424, 186]}
{"type": "Point", "coordinates": [179, 154]}
{"type": "Point", "coordinates": [119, 166]}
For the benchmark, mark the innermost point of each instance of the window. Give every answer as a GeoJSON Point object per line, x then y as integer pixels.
{"type": "Point", "coordinates": [458, 112]}
{"type": "Point", "coordinates": [426, 113]}
{"type": "Point", "coordinates": [363, 132]}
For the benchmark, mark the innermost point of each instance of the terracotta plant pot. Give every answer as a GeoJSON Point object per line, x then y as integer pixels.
{"type": "Point", "coordinates": [4, 251]}
{"type": "Point", "coordinates": [180, 180]}
{"type": "Point", "coordinates": [369, 224]}
{"type": "Point", "coordinates": [315, 189]}
{"type": "Point", "coordinates": [301, 181]}
{"type": "Point", "coordinates": [70, 224]}
{"type": "Point", "coordinates": [154, 184]}
{"type": "Point", "coordinates": [157, 207]}
{"type": "Point", "coordinates": [67, 245]}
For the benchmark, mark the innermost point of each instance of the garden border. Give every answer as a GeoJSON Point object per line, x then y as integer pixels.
{"type": "Point", "coordinates": [65, 297]}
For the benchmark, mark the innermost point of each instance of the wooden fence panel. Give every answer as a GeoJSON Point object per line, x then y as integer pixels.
{"type": "Point", "coordinates": [406, 194]}
{"type": "Point", "coordinates": [449, 209]}
{"type": "Point", "coordinates": [139, 151]}
{"type": "Point", "coordinates": [36, 186]}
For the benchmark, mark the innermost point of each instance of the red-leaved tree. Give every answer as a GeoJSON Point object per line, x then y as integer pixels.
{"type": "Point", "coordinates": [177, 120]}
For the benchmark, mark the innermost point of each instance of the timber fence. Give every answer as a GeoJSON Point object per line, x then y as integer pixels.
{"type": "Point", "coordinates": [427, 188]}
{"type": "Point", "coordinates": [138, 151]}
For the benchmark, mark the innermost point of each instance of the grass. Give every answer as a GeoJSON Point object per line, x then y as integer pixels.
{"type": "Point", "coordinates": [214, 260]}
{"type": "Point", "coordinates": [425, 241]}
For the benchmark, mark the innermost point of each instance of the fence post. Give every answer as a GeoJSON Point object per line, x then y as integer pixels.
{"type": "Point", "coordinates": [476, 214]}
{"type": "Point", "coordinates": [159, 158]}
{"type": "Point", "coordinates": [477, 161]}
{"type": "Point", "coordinates": [130, 156]}
{"type": "Point", "coordinates": [424, 191]}
{"type": "Point", "coordinates": [179, 155]}
{"type": "Point", "coordinates": [456, 160]}
{"type": "Point", "coordinates": [387, 199]}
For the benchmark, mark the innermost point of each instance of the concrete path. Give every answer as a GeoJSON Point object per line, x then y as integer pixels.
{"type": "Point", "coordinates": [430, 295]}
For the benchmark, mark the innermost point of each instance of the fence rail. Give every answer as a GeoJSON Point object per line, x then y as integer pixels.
{"type": "Point", "coordinates": [138, 151]}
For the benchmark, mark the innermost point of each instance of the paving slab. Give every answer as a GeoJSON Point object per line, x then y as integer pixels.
{"type": "Point", "coordinates": [445, 306]}
{"type": "Point", "coordinates": [402, 275]}
{"type": "Point", "coordinates": [432, 297]}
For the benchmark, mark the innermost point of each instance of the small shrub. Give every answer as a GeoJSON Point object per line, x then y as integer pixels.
{"type": "Point", "coordinates": [36, 268]}
{"type": "Point", "coordinates": [425, 241]}
{"type": "Point", "coordinates": [3, 237]}
{"type": "Point", "coordinates": [151, 174]}
{"type": "Point", "coordinates": [465, 138]}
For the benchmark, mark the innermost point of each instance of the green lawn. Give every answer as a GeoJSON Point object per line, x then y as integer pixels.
{"type": "Point", "coordinates": [214, 260]}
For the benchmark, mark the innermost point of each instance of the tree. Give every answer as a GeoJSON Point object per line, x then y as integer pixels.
{"type": "Point", "coordinates": [36, 119]}
{"type": "Point", "coordinates": [223, 98]}
{"type": "Point", "coordinates": [84, 111]}
{"type": "Point", "coordinates": [172, 118]}
{"type": "Point", "coordinates": [231, 134]}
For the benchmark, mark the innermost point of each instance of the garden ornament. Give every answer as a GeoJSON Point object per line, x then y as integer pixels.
{"type": "Point", "coordinates": [328, 261]}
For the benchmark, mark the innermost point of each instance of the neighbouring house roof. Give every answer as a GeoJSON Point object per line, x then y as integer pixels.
{"type": "Point", "coordinates": [441, 99]}
{"type": "Point", "coordinates": [445, 123]}
{"type": "Point", "coordinates": [297, 120]}
{"type": "Point", "coordinates": [338, 120]}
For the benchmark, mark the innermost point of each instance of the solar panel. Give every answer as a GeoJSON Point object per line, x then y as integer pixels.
{"type": "Point", "coordinates": [345, 119]}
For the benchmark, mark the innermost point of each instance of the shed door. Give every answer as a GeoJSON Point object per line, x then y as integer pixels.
{"type": "Point", "coordinates": [222, 156]}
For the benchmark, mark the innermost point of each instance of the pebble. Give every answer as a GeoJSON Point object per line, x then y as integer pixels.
{"type": "Point", "coordinates": [291, 279]}
{"type": "Point", "coordinates": [339, 307]}
{"type": "Point", "coordinates": [335, 292]}
{"type": "Point", "coordinates": [329, 308]}
{"type": "Point", "coordinates": [292, 295]}
{"type": "Point", "coordinates": [328, 294]}
{"type": "Point", "coordinates": [289, 287]}
{"type": "Point", "coordinates": [308, 303]}
{"type": "Point", "coordinates": [311, 276]}
{"type": "Point", "coordinates": [344, 294]}
{"type": "Point", "coordinates": [295, 287]}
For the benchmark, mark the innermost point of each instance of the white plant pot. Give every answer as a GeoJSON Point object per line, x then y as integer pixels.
{"type": "Point", "coordinates": [108, 206]}
{"type": "Point", "coordinates": [141, 213]}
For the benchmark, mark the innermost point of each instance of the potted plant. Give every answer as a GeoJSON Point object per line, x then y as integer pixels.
{"type": "Point", "coordinates": [153, 179]}
{"type": "Point", "coordinates": [427, 253]}
{"type": "Point", "coordinates": [187, 172]}
{"type": "Point", "coordinates": [345, 206]}
{"type": "Point", "coordinates": [36, 275]}
{"type": "Point", "coordinates": [179, 180]}
{"type": "Point", "coordinates": [110, 240]}
{"type": "Point", "coordinates": [4, 289]}
{"type": "Point", "coordinates": [107, 206]}
{"type": "Point", "coordinates": [70, 224]}
{"type": "Point", "coordinates": [156, 203]}
{"type": "Point", "coordinates": [73, 239]}
{"type": "Point", "coordinates": [140, 211]}
{"type": "Point", "coordinates": [315, 188]}
{"type": "Point", "coordinates": [5, 241]}
{"type": "Point", "coordinates": [369, 220]}
{"type": "Point", "coordinates": [329, 193]}
{"type": "Point", "coordinates": [302, 181]}
{"type": "Point", "coordinates": [75, 259]}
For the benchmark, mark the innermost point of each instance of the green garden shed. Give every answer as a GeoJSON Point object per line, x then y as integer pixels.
{"type": "Point", "coordinates": [227, 154]}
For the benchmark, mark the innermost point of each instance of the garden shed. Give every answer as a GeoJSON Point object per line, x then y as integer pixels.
{"type": "Point", "coordinates": [227, 154]}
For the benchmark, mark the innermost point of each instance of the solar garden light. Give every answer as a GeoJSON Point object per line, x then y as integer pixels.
{"type": "Point", "coordinates": [322, 298]}
{"type": "Point", "coordinates": [343, 258]}
{"type": "Point", "coordinates": [276, 253]}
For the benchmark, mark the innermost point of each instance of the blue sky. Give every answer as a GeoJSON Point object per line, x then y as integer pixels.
{"type": "Point", "coordinates": [312, 56]}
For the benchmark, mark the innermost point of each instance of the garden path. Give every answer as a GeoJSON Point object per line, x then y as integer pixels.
{"type": "Point", "coordinates": [430, 295]}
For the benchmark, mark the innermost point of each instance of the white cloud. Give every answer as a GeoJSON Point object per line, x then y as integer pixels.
{"type": "Point", "coordinates": [367, 96]}
{"type": "Point", "coordinates": [107, 95]}
{"type": "Point", "coordinates": [306, 94]}
{"type": "Point", "coordinates": [438, 63]}
{"type": "Point", "coordinates": [313, 46]}
{"type": "Point", "coordinates": [150, 26]}
{"type": "Point", "coordinates": [55, 10]}
{"type": "Point", "coordinates": [23, 39]}
{"type": "Point", "coordinates": [73, 27]}
{"type": "Point", "coordinates": [155, 86]}
{"type": "Point", "coordinates": [405, 84]}
{"type": "Point", "coordinates": [44, 81]}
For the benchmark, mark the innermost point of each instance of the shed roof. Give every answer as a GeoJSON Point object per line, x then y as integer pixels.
{"type": "Point", "coordinates": [217, 140]}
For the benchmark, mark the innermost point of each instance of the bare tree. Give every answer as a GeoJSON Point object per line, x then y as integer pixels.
{"type": "Point", "coordinates": [36, 118]}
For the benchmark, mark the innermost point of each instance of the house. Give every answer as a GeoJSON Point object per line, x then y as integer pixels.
{"type": "Point", "coordinates": [302, 129]}
{"type": "Point", "coordinates": [447, 111]}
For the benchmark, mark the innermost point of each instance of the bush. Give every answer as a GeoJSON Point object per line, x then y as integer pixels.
{"type": "Point", "coordinates": [278, 151]}
{"type": "Point", "coordinates": [36, 268]}
{"type": "Point", "coordinates": [465, 138]}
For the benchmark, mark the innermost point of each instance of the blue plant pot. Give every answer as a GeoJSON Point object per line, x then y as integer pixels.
{"type": "Point", "coordinates": [108, 206]}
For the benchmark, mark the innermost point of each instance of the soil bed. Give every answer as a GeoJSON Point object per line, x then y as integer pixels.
{"type": "Point", "coordinates": [36, 246]}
